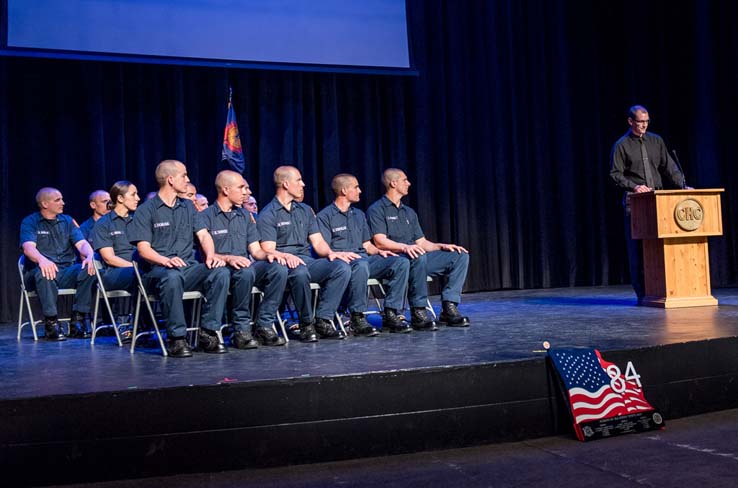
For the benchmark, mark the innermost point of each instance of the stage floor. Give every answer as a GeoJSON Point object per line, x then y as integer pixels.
{"type": "Point", "coordinates": [506, 326]}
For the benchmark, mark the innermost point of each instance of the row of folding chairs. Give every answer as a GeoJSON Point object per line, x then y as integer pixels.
{"type": "Point", "coordinates": [146, 300]}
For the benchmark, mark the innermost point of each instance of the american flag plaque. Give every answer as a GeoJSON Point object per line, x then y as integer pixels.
{"type": "Point", "coordinates": [603, 400]}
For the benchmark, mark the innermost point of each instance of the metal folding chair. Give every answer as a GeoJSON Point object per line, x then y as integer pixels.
{"type": "Point", "coordinates": [146, 298]}
{"type": "Point", "coordinates": [25, 302]}
{"type": "Point", "coordinates": [106, 295]}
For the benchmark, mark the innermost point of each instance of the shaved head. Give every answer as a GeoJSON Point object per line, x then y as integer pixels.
{"type": "Point", "coordinates": [227, 178]}
{"type": "Point", "coordinates": [390, 175]}
{"type": "Point", "coordinates": [167, 168]}
{"type": "Point", "coordinates": [341, 181]}
{"type": "Point", "coordinates": [285, 173]}
{"type": "Point", "coordinates": [45, 194]}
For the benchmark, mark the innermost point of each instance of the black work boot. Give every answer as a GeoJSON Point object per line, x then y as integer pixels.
{"type": "Point", "coordinates": [307, 332]}
{"type": "Point", "coordinates": [451, 316]}
{"type": "Point", "coordinates": [326, 330]}
{"type": "Point", "coordinates": [177, 348]}
{"type": "Point", "coordinates": [419, 319]}
{"type": "Point", "coordinates": [394, 322]}
{"type": "Point", "coordinates": [267, 337]}
{"type": "Point", "coordinates": [242, 339]}
{"type": "Point", "coordinates": [209, 342]}
{"type": "Point", "coordinates": [361, 327]}
{"type": "Point", "coordinates": [52, 330]}
{"type": "Point", "coordinates": [77, 326]}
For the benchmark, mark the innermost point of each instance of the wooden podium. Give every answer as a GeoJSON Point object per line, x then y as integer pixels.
{"type": "Point", "coordinates": [674, 226]}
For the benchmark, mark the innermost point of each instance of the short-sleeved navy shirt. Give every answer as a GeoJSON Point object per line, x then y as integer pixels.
{"type": "Point", "coordinates": [399, 224]}
{"type": "Point", "coordinates": [111, 230]}
{"type": "Point", "coordinates": [288, 228]}
{"type": "Point", "coordinates": [344, 231]}
{"type": "Point", "coordinates": [232, 232]}
{"type": "Point", "coordinates": [54, 238]}
{"type": "Point", "coordinates": [86, 228]}
{"type": "Point", "coordinates": [169, 230]}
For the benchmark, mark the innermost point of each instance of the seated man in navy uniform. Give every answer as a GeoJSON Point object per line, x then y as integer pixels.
{"type": "Point", "coordinates": [162, 230]}
{"type": "Point", "coordinates": [48, 239]}
{"type": "Point", "coordinates": [235, 236]}
{"type": "Point", "coordinates": [344, 228]}
{"type": "Point", "coordinates": [395, 227]}
{"type": "Point", "coordinates": [288, 227]}
{"type": "Point", "coordinates": [110, 235]}
{"type": "Point", "coordinates": [99, 200]}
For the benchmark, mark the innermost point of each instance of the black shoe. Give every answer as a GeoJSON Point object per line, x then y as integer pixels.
{"type": "Point", "coordinates": [361, 327]}
{"type": "Point", "coordinates": [394, 322]}
{"type": "Point", "coordinates": [177, 348]}
{"type": "Point", "coordinates": [419, 319]}
{"type": "Point", "coordinates": [126, 334]}
{"type": "Point", "coordinates": [77, 326]}
{"type": "Point", "coordinates": [267, 337]}
{"type": "Point", "coordinates": [243, 340]}
{"type": "Point", "coordinates": [451, 316]}
{"type": "Point", "coordinates": [52, 330]}
{"type": "Point", "coordinates": [326, 330]}
{"type": "Point", "coordinates": [307, 332]}
{"type": "Point", "coordinates": [209, 342]}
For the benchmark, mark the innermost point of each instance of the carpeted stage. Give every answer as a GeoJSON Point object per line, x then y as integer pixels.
{"type": "Point", "coordinates": [72, 412]}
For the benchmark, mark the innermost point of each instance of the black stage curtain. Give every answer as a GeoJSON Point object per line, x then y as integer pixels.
{"type": "Point", "coordinates": [505, 134]}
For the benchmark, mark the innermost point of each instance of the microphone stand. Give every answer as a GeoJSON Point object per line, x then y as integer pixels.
{"type": "Point", "coordinates": [679, 166]}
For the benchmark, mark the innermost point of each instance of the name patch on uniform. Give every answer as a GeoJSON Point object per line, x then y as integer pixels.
{"type": "Point", "coordinates": [116, 233]}
{"type": "Point", "coordinates": [282, 224]}
{"type": "Point", "coordinates": [43, 232]}
{"type": "Point", "coordinates": [161, 224]}
{"type": "Point", "coordinates": [339, 229]}
{"type": "Point", "coordinates": [392, 217]}
{"type": "Point", "coordinates": [219, 232]}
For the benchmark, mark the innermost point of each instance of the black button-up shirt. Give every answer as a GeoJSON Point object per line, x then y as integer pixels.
{"type": "Point", "coordinates": [626, 163]}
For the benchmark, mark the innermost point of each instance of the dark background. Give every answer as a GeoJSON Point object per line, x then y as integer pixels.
{"type": "Point", "coordinates": [505, 134]}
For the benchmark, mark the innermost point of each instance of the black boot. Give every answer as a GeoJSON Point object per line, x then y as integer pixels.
{"type": "Point", "coordinates": [419, 319]}
{"type": "Point", "coordinates": [52, 330]}
{"type": "Point", "coordinates": [326, 330]}
{"type": "Point", "coordinates": [243, 340]}
{"type": "Point", "coordinates": [177, 348]}
{"type": "Point", "coordinates": [451, 316]}
{"type": "Point", "coordinates": [307, 332]}
{"type": "Point", "coordinates": [394, 322]}
{"type": "Point", "coordinates": [209, 342]}
{"type": "Point", "coordinates": [267, 337]}
{"type": "Point", "coordinates": [77, 326]}
{"type": "Point", "coordinates": [361, 326]}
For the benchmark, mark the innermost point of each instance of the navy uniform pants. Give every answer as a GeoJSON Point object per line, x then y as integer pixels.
{"type": "Point", "coordinates": [170, 283]}
{"type": "Point", "coordinates": [332, 276]}
{"type": "Point", "coordinates": [271, 279]}
{"type": "Point", "coordinates": [66, 277]}
{"type": "Point", "coordinates": [452, 265]}
{"type": "Point", "coordinates": [393, 269]}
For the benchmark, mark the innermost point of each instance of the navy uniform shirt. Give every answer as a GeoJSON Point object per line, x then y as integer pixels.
{"type": "Point", "coordinates": [399, 224]}
{"type": "Point", "coordinates": [289, 229]}
{"type": "Point", "coordinates": [344, 231]}
{"type": "Point", "coordinates": [169, 230]}
{"type": "Point", "coordinates": [86, 228]}
{"type": "Point", "coordinates": [54, 238]}
{"type": "Point", "coordinates": [111, 230]}
{"type": "Point", "coordinates": [232, 232]}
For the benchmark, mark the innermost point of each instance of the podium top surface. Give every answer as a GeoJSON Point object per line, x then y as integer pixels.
{"type": "Point", "coordinates": [676, 213]}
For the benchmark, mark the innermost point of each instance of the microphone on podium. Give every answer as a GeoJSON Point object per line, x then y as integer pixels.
{"type": "Point", "coordinates": [679, 166]}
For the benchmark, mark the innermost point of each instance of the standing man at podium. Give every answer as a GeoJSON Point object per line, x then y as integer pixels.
{"type": "Point", "coordinates": [639, 163]}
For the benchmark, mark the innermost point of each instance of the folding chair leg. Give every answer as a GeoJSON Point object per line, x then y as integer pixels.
{"type": "Point", "coordinates": [280, 321]}
{"type": "Point", "coordinates": [31, 320]}
{"type": "Point", "coordinates": [340, 324]}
